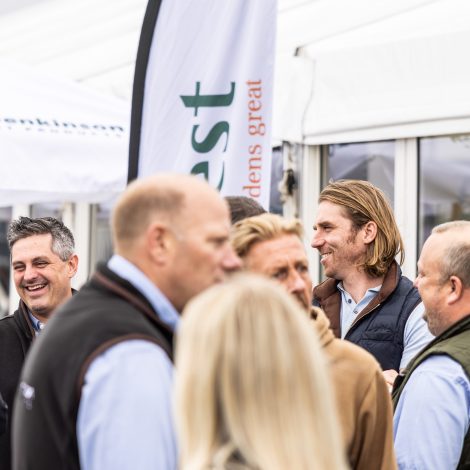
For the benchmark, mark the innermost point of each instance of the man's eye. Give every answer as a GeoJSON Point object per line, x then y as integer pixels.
{"type": "Point", "coordinates": [41, 264]}
{"type": "Point", "coordinates": [279, 275]}
{"type": "Point", "coordinates": [302, 269]}
{"type": "Point", "coordinates": [18, 268]}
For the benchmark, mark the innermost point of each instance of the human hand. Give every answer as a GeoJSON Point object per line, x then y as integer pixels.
{"type": "Point", "coordinates": [390, 375]}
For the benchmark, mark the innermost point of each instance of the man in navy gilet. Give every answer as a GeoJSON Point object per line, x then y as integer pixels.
{"type": "Point", "coordinates": [366, 298]}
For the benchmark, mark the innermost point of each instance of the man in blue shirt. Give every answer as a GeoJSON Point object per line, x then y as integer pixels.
{"type": "Point", "coordinates": [96, 389]}
{"type": "Point", "coordinates": [432, 398]}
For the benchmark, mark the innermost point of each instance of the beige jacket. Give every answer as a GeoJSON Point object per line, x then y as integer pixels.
{"type": "Point", "coordinates": [364, 403]}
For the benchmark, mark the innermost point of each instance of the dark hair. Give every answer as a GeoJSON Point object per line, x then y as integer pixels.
{"type": "Point", "coordinates": [63, 244]}
{"type": "Point", "coordinates": [242, 207]}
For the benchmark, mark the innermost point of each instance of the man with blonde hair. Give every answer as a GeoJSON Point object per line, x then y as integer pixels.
{"type": "Point", "coordinates": [432, 399]}
{"type": "Point", "coordinates": [96, 388]}
{"type": "Point", "coordinates": [272, 246]}
{"type": "Point", "coordinates": [366, 298]}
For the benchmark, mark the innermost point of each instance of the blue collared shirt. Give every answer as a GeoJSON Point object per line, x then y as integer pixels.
{"type": "Point", "coordinates": [125, 418]}
{"type": "Point", "coordinates": [37, 325]}
{"type": "Point", "coordinates": [415, 336]}
{"type": "Point", "coordinates": [432, 416]}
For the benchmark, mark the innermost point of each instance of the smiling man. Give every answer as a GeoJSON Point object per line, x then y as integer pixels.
{"type": "Point", "coordinates": [366, 297]}
{"type": "Point", "coordinates": [43, 263]}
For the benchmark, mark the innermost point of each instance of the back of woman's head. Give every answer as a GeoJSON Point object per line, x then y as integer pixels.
{"type": "Point", "coordinates": [251, 384]}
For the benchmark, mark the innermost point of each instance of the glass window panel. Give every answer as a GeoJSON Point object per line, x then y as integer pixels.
{"type": "Point", "coordinates": [370, 161]}
{"type": "Point", "coordinates": [102, 245]}
{"type": "Point", "coordinates": [444, 176]}
{"type": "Point", "coordinates": [47, 210]}
{"type": "Point", "coordinates": [5, 218]}
{"type": "Point", "coordinates": [277, 173]}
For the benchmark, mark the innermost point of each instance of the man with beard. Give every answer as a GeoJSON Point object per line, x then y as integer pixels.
{"type": "Point", "coordinates": [43, 263]}
{"type": "Point", "coordinates": [432, 398]}
{"type": "Point", "coordinates": [366, 298]}
{"type": "Point", "coordinates": [272, 246]}
{"type": "Point", "coordinates": [96, 389]}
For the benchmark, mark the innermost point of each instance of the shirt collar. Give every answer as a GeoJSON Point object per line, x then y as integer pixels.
{"type": "Point", "coordinates": [37, 325]}
{"type": "Point", "coordinates": [372, 289]}
{"type": "Point", "coordinates": [130, 272]}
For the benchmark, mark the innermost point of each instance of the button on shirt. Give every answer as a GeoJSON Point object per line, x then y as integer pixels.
{"type": "Point", "coordinates": [415, 336]}
{"type": "Point", "coordinates": [125, 418]}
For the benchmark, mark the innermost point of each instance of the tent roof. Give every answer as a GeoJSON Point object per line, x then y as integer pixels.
{"type": "Point", "coordinates": [346, 71]}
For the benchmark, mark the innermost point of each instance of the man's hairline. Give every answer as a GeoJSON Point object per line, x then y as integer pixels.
{"type": "Point", "coordinates": [51, 246]}
{"type": "Point", "coordinates": [266, 240]}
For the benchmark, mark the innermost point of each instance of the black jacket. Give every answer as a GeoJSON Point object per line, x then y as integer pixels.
{"type": "Point", "coordinates": [16, 335]}
{"type": "Point", "coordinates": [107, 310]}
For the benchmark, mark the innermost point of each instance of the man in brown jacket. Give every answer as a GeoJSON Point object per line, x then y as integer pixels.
{"type": "Point", "coordinates": [272, 246]}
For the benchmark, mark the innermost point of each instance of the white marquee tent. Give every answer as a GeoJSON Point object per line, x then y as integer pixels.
{"type": "Point", "coordinates": [376, 70]}
{"type": "Point", "coordinates": [59, 140]}
{"type": "Point", "coordinates": [346, 71]}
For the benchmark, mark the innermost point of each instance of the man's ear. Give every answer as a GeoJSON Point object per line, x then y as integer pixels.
{"type": "Point", "coordinates": [159, 242]}
{"type": "Point", "coordinates": [72, 265]}
{"type": "Point", "coordinates": [369, 231]}
{"type": "Point", "coordinates": [455, 289]}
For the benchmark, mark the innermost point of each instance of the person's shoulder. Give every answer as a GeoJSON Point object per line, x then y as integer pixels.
{"type": "Point", "coordinates": [12, 336]}
{"type": "Point", "coordinates": [7, 322]}
{"type": "Point", "coordinates": [440, 364]}
{"type": "Point", "coordinates": [408, 284]}
{"type": "Point", "coordinates": [325, 289]}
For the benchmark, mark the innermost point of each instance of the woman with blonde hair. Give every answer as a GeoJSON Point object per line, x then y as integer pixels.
{"type": "Point", "coordinates": [252, 390]}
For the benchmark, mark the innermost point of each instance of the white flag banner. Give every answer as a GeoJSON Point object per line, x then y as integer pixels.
{"type": "Point", "coordinates": [202, 97]}
{"type": "Point", "coordinates": [59, 141]}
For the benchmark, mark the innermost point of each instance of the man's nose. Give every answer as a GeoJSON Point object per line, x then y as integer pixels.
{"type": "Point", "coordinates": [30, 272]}
{"type": "Point", "coordinates": [296, 282]}
{"type": "Point", "coordinates": [231, 261]}
{"type": "Point", "coordinates": [317, 241]}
